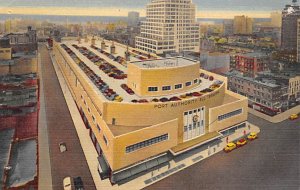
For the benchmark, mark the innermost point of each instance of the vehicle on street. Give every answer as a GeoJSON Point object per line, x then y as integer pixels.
{"type": "Point", "coordinates": [62, 147]}
{"type": "Point", "coordinates": [294, 116]}
{"type": "Point", "coordinates": [252, 136]}
{"type": "Point", "coordinates": [230, 146]}
{"type": "Point", "coordinates": [241, 142]}
{"type": "Point", "coordinates": [67, 182]}
{"type": "Point", "coordinates": [78, 183]}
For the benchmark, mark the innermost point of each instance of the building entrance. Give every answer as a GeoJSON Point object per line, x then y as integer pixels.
{"type": "Point", "coordinates": [194, 123]}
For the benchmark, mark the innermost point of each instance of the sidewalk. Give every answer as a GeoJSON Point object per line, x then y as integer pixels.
{"type": "Point", "coordinates": [277, 118]}
{"type": "Point", "coordinates": [175, 165]}
{"type": "Point", "coordinates": [45, 177]}
{"type": "Point", "coordinates": [183, 161]}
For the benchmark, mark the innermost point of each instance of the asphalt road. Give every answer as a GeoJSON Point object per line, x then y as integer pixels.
{"type": "Point", "coordinates": [71, 163]}
{"type": "Point", "coordinates": [269, 163]}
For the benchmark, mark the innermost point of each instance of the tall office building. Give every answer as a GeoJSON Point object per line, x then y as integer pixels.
{"type": "Point", "coordinates": [290, 15]}
{"type": "Point", "coordinates": [228, 27]}
{"type": "Point", "coordinates": [276, 19]}
{"type": "Point", "coordinates": [7, 26]}
{"type": "Point", "coordinates": [242, 25]}
{"type": "Point", "coordinates": [298, 40]}
{"type": "Point", "coordinates": [133, 19]}
{"type": "Point", "coordinates": [170, 26]}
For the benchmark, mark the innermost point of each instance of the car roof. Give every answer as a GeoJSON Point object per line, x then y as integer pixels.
{"type": "Point", "coordinates": [67, 180]}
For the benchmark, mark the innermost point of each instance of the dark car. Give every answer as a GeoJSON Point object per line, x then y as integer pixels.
{"type": "Point", "coordinates": [78, 183]}
{"type": "Point", "coordinates": [164, 99]}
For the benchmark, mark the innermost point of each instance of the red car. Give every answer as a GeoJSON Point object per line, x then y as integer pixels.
{"type": "Point", "coordinates": [143, 101]}
{"type": "Point", "coordinates": [241, 142]}
{"type": "Point", "coordinates": [175, 98]}
{"type": "Point", "coordinates": [196, 94]}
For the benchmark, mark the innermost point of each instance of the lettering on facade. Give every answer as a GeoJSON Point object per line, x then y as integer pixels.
{"type": "Point", "coordinates": [185, 103]}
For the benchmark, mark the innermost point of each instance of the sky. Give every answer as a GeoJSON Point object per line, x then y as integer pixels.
{"type": "Point", "coordinates": [206, 8]}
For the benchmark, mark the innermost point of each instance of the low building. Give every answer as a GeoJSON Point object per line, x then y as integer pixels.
{"type": "Point", "coordinates": [215, 62]}
{"type": "Point", "coordinates": [142, 114]}
{"type": "Point", "coordinates": [264, 94]}
{"type": "Point", "coordinates": [19, 97]}
{"type": "Point", "coordinates": [23, 41]}
{"type": "Point", "coordinates": [18, 161]}
{"type": "Point", "coordinates": [249, 64]}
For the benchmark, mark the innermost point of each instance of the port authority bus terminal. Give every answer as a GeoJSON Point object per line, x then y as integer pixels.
{"type": "Point", "coordinates": [143, 110]}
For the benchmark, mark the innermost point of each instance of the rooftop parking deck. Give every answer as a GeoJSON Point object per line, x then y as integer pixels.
{"type": "Point", "coordinates": [165, 63]}
{"type": "Point", "coordinates": [110, 76]}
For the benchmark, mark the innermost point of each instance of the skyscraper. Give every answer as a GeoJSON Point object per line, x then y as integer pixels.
{"type": "Point", "coordinates": [228, 27]}
{"type": "Point", "coordinates": [290, 15]}
{"type": "Point", "coordinates": [133, 19]}
{"type": "Point", "coordinates": [242, 25]}
{"type": "Point", "coordinates": [170, 26]}
{"type": "Point", "coordinates": [298, 40]}
{"type": "Point", "coordinates": [276, 19]}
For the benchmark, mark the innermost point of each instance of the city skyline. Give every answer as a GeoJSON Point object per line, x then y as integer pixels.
{"type": "Point", "coordinates": [205, 8]}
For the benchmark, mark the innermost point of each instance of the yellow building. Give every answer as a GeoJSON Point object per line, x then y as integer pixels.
{"type": "Point", "coordinates": [242, 25]}
{"type": "Point", "coordinates": [156, 111]}
{"type": "Point", "coordinates": [294, 87]}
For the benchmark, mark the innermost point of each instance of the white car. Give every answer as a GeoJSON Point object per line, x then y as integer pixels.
{"type": "Point", "coordinates": [62, 147]}
{"type": "Point", "coordinates": [67, 183]}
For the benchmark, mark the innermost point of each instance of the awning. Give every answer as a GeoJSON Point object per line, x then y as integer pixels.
{"type": "Point", "coordinates": [189, 145]}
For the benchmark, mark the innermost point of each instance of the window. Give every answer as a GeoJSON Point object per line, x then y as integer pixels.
{"type": "Point", "coordinates": [93, 117]}
{"type": "Point", "coordinates": [178, 86]}
{"type": "Point", "coordinates": [146, 143]}
{"type": "Point", "coordinates": [98, 127]}
{"type": "Point", "coordinates": [105, 140]}
{"type": "Point", "coordinates": [165, 88]}
{"type": "Point", "coordinates": [195, 81]}
{"type": "Point", "coordinates": [152, 89]}
{"type": "Point", "coordinates": [188, 83]}
{"type": "Point", "coordinates": [230, 114]}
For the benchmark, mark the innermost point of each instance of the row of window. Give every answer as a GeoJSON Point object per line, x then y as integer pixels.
{"type": "Point", "coordinates": [177, 86]}
{"type": "Point", "coordinates": [2, 51]}
{"type": "Point", "coordinates": [230, 114]}
{"type": "Point", "coordinates": [94, 121]}
{"type": "Point", "coordinates": [147, 143]}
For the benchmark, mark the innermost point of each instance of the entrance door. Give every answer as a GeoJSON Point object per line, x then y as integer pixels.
{"type": "Point", "coordinates": [193, 123]}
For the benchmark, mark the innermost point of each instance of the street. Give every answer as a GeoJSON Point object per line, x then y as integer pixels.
{"type": "Point", "coordinates": [270, 162]}
{"type": "Point", "coordinates": [71, 163]}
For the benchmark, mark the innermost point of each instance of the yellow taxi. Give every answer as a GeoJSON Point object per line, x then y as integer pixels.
{"type": "Point", "coordinates": [252, 136]}
{"type": "Point", "coordinates": [241, 142]}
{"type": "Point", "coordinates": [294, 116]}
{"type": "Point", "coordinates": [230, 146]}
{"type": "Point", "coordinates": [118, 99]}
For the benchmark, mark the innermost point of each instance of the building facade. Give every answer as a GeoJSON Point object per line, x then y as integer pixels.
{"type": "Point", "coordinates": [23, 42]}
{"type": "Point", "coordinates": [276, 19]}
{"type": "Point", "coordinates": [170, 26]}
{"type": "Point", "coordinates": [290, 15]}
{"type": "Point", "coordinates": [263, 95]}
{"type": "Point", "coordinates": [155, 115]}
{"type": "Point", "coordinates": [250, 64]}
{"type": "Point", "coordinates": [294, 88]}
{"type": "Point", "coordinates": [242, 25]}
{"type": "Point", "coordinates": [133, 19]}
{"type": "Point", "coordinates": [228, 27]}
{"type": "Point", "coordinates": [298, 41]}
